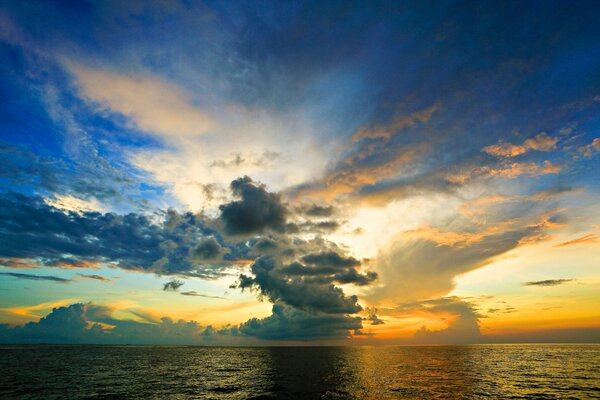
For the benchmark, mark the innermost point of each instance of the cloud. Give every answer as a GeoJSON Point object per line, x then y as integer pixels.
{"type": "Point", "coordinates": [317, 210]}
{"type": "Point", "coordinates": [152, 104]}
{"type": "Point", "coordinates": [514, 170]}
{"type": "Point", "coordinates": [35, 230]}
{"type": "Point", "coordinates": [173, 285]}
{"type": "Point", "coordinates": [503, 149]}
{"type": "Point", "coordinates": [372, 317]}
{"type": "Point", "coordinates": [424, 263]}
{"type": "Point", "coordinates": [95, 277]}
{"type": "Point", "coordinates": [299, 274]}
{"type": "Point", "coordinates": [591, 238]}
{"type": "Point", "coordinates": [541, 142]}
{"type": "Point", "coordinates": [34, 277]}
{"type": "Point", "coordinates": [589, 149]}
{"type": "Point", "coordinates": [461, 317]}
{"type": "Point", "coordinates": [208, 250]}
{"type": "Point", "coordinates": [288, 323]}
{"type": "Point", "coordinates": [93, 324]}
{"type": "Point", "coordinates": [196, 294]}
{"type": "Point", "coordinates": [257, 210]}
{"type": "Point", "coordinates": [549, 282]}
{"type": "Point", "coordinates": [304, 294]}
{"type": "Point", "coordinates": [83, 185]}
{"type": "Point", "coordinates": [399, 122]}
{"type": "Point", "coordinates": [264, 160]}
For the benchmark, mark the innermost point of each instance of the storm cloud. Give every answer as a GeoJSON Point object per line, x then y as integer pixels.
{"type": "Point", "coordinates": [257, 210]}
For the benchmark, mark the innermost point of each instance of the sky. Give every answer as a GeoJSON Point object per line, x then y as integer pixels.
{"type": "Point", "coordinates": [263, 172]}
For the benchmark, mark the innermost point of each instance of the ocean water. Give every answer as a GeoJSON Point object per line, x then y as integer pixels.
{"type": "Point", "coordinates": [387, 372]}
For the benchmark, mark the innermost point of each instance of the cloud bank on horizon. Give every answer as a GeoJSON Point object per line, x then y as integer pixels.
{"type": "Point", "coordinates": [261, 172]}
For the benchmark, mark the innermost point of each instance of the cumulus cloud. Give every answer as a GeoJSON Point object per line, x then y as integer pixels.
{"type": "Point", "coordinates": [34, 229]}
{"type": "Point", "coordinates": [372, 316]}
{"type": "Point", "coordinates": [94, 324]}
{"type": "Point", "coordinates": [300, 277]}
{"type": "Point", "coordinates": [305, 294]}
{"type": "Point", "coordinates": [305, 276]}
{"type": "Point", "coordinates": [460, 316]}
{"type": "Point", "coordinates": [208, 250]}
{"type": "Point", "coordinates": [257, 210]}
{"type": "Point", "coordinates": [292, 323]}
{"type": "Point", "coordinates": [424, 263]}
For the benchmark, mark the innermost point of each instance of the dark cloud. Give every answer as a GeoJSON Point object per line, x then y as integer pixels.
{"type": "Point", "coordinates": [34, 277]}
{"type": "Point", "coordinates": [85, 323]}
{"type": "Point", "coordinates": [315, 227]}
{"type": "Point", "coordinates": [173, 285]}
{"type": "Point", "coordinates": [298, 274]}
{"type": "Point", "coordinates": [32, 229]}
{"type": "Point", "coordinates": [296, 292]}
{"type": "Point", "coordinates": [372, 317]}
{"type": "Point", "coordinates": [291, 323]}
{"type": "Point", "coordinates": [316, 210]}
{"type": "Point", "coordinates": [330, 260]}
{"type": "Point", "coordinates": [549, 282]}
{"type": "Point", "coordinates": [257, 210]}
{"type": "Point", "coordinates": [208, 250]}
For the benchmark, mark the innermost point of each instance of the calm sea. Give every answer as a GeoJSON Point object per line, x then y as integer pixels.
{"type": "Point", "coordinates": [428, 372]}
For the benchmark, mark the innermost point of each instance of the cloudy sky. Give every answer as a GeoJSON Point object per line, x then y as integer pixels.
{"type": "Point", "coordinates": [291, 172]}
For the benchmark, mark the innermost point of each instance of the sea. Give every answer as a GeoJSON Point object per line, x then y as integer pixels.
{"type": "Point", "coordinates": [547, 371]}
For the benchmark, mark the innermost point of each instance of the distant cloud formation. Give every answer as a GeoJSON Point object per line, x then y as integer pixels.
{"type": "Point", "coordinates": [86, 323]}
{"type": "Point", "coordinates": [549, 282]}
{"type": "Point", "coordinates": [301, 277]}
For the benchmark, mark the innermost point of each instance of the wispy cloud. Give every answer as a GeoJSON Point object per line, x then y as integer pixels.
{"type": "Point", "coordinates": [152, 104]}
{"type": "Point", "coordinates": [197, 294]}
{"type": "Point", "coordinates": [541, 142]}
{"type": "Point", "coordinates": [95, 277]}
{"type": "Point", "coordinates": [548, 282]}
{"type": "Point", "coordinates": [34, 277]}
{"type": "Point", "coordinates": [591, 238]}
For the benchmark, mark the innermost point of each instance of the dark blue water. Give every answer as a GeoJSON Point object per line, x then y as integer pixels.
{"type": "Point", "coordinates": [428, 372]}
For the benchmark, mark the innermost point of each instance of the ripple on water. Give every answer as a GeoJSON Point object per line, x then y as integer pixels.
{"type": "Point", "coordinates": [434, 372]}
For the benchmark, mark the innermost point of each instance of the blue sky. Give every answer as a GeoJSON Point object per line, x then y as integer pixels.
{"type": "Point", "coordinates": [340, 172]}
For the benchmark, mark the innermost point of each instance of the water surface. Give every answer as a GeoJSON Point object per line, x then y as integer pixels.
{"type": "Point", "coordinates": [387, 372]}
